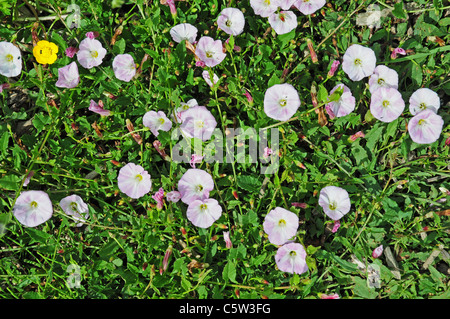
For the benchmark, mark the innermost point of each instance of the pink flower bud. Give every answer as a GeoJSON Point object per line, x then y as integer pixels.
{"type": "Point", "coordinates": [334, 67]}
{"type": "Point", "coordinates": [355, 136]}
{"type": "Point", "coordinates": [195, 159]}
{"type": "Point", "coordinates": [333, 296]}
{"type": "Point", "coordinates": [300, 205]}
{"type": "Point", "coordinates": [447, 141]}
{"type": "Point", "coordinates": [71, 51]}
{"type": "Point", "coordinates": [159, 197]}
{"type": "Point", "coordinates": [165, 262]}
{"type": "Point", "coordinates": [249, 97]}
{"type": "Point", "coordinates": [336, 226]}
{"type": "Point", "coordinates": [226, 237]}
{"type": "Point", "coordinates": [311, 51]}
{"type": "Point", "coordinates": [377, 251]}
{"type": "Point", "coordinates": [267, 152]}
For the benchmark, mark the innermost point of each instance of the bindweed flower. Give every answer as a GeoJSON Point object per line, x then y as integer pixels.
{"type": "Point", "coordinates": [358, 62]}
{"type": "Point", "coordinates": [397, 51]}
{"type": "Point", "coordinates": [336, 226]}
{"type": "Point", "coordinates": [206, 76]}
{"type": "Point", "coordinates": [281, 101]}
{"type": "Point", "coordinates": [10, 60]}
{"type": "Point", "coordinates": [344, 106]}
{"type": "Point", "coordinates": [98, 108]}
{"type": "Point", "coordinates": [195, 159]}
{"type": "Point", "coordinates": [424, 99]}
{"type": "Point", "coordinates": [231, 21]}
{"type": "Point", "coordinates": [4, 86]}
{"type": "Point", "coordinates": [309, 6]}
{"type": "Point", "coordinates": [198, 122]}
{"type": "Point", "coordinates": [226, 238]}
{"type": "Point", "coordinates": [333, 68]}
{"type": "Point", "coordinates": [334, 201]}
{"type": "Point", "coordinates": [280, 225]}
{"type": "Point", "coordinates": [159, 198]}
{"type": "Point", "coordinates": [173, 196]}
{"type": "Point", "coordinates": [71, 51]}
{"type": "Point", "coordinates": [333, 296]}
{"type": "Point", "coordinates": [386, 104]}
{"type": "Point", "coordinates": [184, 106]}
{"type": "Point", "coordinates": [92, 34]}
{"type": "Point", "coordinates": [156, 121]}
{"type": "Point", "coordinates": [68, 76]}
{"type": "Point", "coordinates": [195, 184]}
{"type": "Point", "coordinates": [210, 51]}
{"type": "Point", "coordinates": [45, 52]}
{"type": "Point", "coordinates": [33, 208]}
{"type": "Point", "coordinates": [74, 206]}
{"type": "Point", "coordinates": [263, 8]}
{"type": "Point", "coordinates": [90, 53]}
{"type": "Point", "coordinates": [165, 262]}
{"type": "Point", "coordinates": [267, 152]}
{"type": "Point", "coordinates": [377, 251]}
{"type": "Point", "coordinates": [200, 63]}
{"type": "Point", "coordinates": [203, 213]}
{"type": "Point", "coordinates": [172, 7]}
{"type": "Point", "coordinates": [383, 77]}
{"type": "Point", "coordinates": [284, 4]}
{"type": "Point", "coordinates": [291, 258]}
{"type": "Point", "coordinates": [283, 21]}
{"type": "Point", "coordinates": [124, 67]}
{"type": "Point", "coordinates": [134, 181]}
{"type": "Point", "coordinates": [425, 127]}
{"type": "Point", "coordinates": [184, 32]}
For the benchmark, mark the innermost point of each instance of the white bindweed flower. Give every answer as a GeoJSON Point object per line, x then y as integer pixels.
{"type": "Point", "coordinates": [425, 127]}
{"type": "Point", "coordinates": [264, 8]}
{"type": "Point", "coordinates": [334, 201]}
{"type": "Point", "coordinates": [10, 59]}
{"type": "Point", "coordinates": [90, 53]}
{"type": "Point", "coordinates": [344, 106]}
{"type": "Point", "coordinates": [383, 77]}
{"type": "Point", "coordinates": [75, 206]}
{"type": "Point", "coordinates": [359, 62]}
{"type": "Point", "coordinates": [284, 4]}
{"type": "Point", "coordinates": [281, 101]}
{"type": "Point", "coordinates": [291, 258]}
{"type": "Point", "coordinates": [283, 21]}
{"type": "Point", "coordinates": [33, 208]}
{"type": "Point", "coordinates": [231, 21]}
{"type": "Point", "coordinates": [280, 225]}
{"type": "Point", "coordinates": [386, 104]}
{"type": "Point", "coordinates": [134, 181]}
{"type": "Point", "coordinates": [424, 99]}
{"type": "Point", "coordinates": [203, 213]}
{"type": "Point", "coordinates": [156, 121]}
{"type": "Point", "coordinates": [309, 6]}
{"type": "Point", "coordinates": [210, 51]}
{"type": "Point", "coordinates": [184, 32]}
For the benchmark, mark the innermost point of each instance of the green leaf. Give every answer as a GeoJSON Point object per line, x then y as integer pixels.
{"type": "Point", "coordinates": [416, 74]}
{"type": "Point", "coordinates": [10, 182]}
{"type": "Point", "coordinates": [38, 235]}
{"type": "Point", "coordinates": [361, 289]}
{"type": "Point", "coordinates": [229, 272]}
{"type": "Point", "coordinates": [40, 120]}
{"type": "Point", "coordinates": [399, 12]}
{"type": "Point", "coordinates": [249, 183]}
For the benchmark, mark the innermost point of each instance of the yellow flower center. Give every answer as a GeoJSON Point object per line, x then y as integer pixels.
{"type": "Point", "coordinates": [9, 58]}
{"type": "Point", "coordinates": [199, 188]}
{"type": "Point", "coordinates": [422, 106]}
{"type": "Point", "coordinates": [138, 177]}
{"type": "Point", "coordinates": [161, 120]}
{"type": "Point", "coordinates": [200, 124]}
{"type": "Point", "coordinates": [203, 206]}
{"type": "Point", "coordinates": [94, 54]}
{"type": "Point", "coordinates": [358, 62]}
{"type": "Point", "coordinates": [385, 103]}
{"type": "Point", "coordinates": [33, 204]}
{"type": "Point", "coordinates": [209, 54]}
{"type": "Point", "coordinates": [292, 253]}
{"type": "Point", "coordinates": [380, 81]}
{"type": "Point", "coordinates": [332, 206]}
{"type": "Point", "coordinates": [421, 122]}
{"type": "Point", "coordinates": [281, 223]}
{"type": "Point", "coordinates": [74, 206]}
{"type": "Point", "coordinates": [228, 23]}
{"type": "Point", "coordinates": [283, 102]}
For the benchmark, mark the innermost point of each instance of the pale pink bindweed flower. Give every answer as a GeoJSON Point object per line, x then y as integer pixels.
{"type": "Point", "coordinates": [195, 184]}
{"type": "Point", "coordinates": [98, 108]}
{"type": "Point", "coordinates": [377, 251]}
{"type": "Point", "coordinates": [68, 76]}
{"type": "Point", "coordinates": [173, 196]}
{"type": "Point", "coordinates": [74, 206]}
{"type": "Point", "coordinates": [90, 53]}
{"type": "Point", "coordinates": [281, 101]}
{"type": "Point", "coordinates": [226, 238]}
{"type": "Point", "coordinates": [344, 106]}
{"type": "Point", "coordinates": [383, 77]}
{"type": "Point", "coordinates": [263, 8]}
{"type": "Point", "coordinates": [333, 296]}
{"type": "Point", "coordinates": [184, 106]}
{"type": "Point", "coordinates": [134, 180]}
{"type": "Point", "coordinates": [184, 32]}
{"type": "Point", "coordinates": [336, 226]}
{"type": "Point", "coordinates": [309, 6]}
{"type": "Point", "coordinates": [198, 122]}
{"type": "Point", "coordinates": [358, 62]}
{"type": "Point", "coordinates": [386, 104]}
{"type": "Point", "coordinates": [397, 51]}
{"type": "Point", "coordinates": [10, 59]}
{"type": "Point", "coordinates": [267, 152]}
{"type": "Point", "coordinates": [424, 99]}
{"type": "Point", "coordinates": [203, 213]}
{"type": "Point", "coordinates": [283, 21]}
{"type": "Point", "coordinates": [124, 67]}
{"type": "Point", "coordinates": [291, 258]}
{"type": "Point", "coordinates": [425, 127]}
{"type": "Point", "coordinates": [207, 77]}
{"type": "Point", "coordinates": [280, 225]}
{"type": "Point", "coordinates": [33, 208]}
{"type": "Point", "coordinates": [335, 202]}
{"type": "Point", "coordinates": [159, 198]}
{"type": "Point", "coordinates": [210, 51]}
{"type": "Point", "coordinates": [156, 121]}
{"type": "Point", "coordinates": [92, 34]}
{"type": "Point", "coordinates": [231, 21]}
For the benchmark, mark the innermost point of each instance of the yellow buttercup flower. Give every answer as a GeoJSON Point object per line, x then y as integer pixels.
{"type": "Point", "coordinates": [45, 52]}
